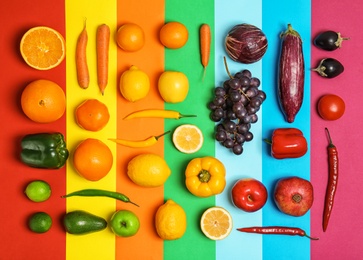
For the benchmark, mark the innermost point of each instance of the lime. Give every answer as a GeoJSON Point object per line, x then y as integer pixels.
{"type": "Point", "coordinates": [38, 191]}
{"type": "Point", "coordinates": [40, 222]}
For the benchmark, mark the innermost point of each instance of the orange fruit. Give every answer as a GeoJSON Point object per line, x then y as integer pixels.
{"type": "Point", "coordinates": [173, 35]}
{"type": "Point", "coordinates": [43, 101]}
{"type": "Point", "coordinates": [92, 115]}
{"type": "Point", "coordinates": [188, 138]}
{"type": "Point", "coordinates": [130, 37]}
{"type": "Point", "coordinates": [216, 223]}
{"type": "Point", "coordinates": [42, 48]}
{"type": "Point", "coordinates": [92, 159]}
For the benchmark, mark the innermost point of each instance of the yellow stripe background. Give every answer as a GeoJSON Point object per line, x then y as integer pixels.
{"type": "Point", "coordinates": [99, 245]}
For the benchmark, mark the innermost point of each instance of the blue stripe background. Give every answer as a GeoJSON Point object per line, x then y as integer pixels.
{"type": "Point", "coordinates": [275, 17]}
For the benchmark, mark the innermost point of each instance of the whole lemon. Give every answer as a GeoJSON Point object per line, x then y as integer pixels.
{"type": "Point", "coordinates": [173, 86]}
{"type": "Point", "coordinates": [134, 84]}
{"type": "Point", "coordinates": [148, 170]}
{"type": "Point", "coordinates": [170, 221]}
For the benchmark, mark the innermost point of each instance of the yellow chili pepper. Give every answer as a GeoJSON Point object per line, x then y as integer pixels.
{"type": "Point", "coordinates": [160, 113]}
{"type": "Point", "coordinates": [205, 176]}
{"type": "Point", "coordinates": [140, 143]}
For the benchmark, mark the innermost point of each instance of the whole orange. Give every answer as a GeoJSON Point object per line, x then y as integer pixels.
{"type": "Point", "coordinates": [173, 35]}
{"type": "Point", "coordinates": [130, 37]}
{"type": "Point", "coordinates": [92, 159]}
{"type": "Point", "coordinates": [43, 101]}
{"type": "Point", "coordinates": [92, 115]}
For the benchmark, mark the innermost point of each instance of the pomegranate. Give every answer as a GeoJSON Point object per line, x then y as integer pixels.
{"type": "Point", "coordinates": [294, 196]}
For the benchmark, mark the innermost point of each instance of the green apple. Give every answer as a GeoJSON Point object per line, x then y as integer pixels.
{"type": "Point", "coordinates": [124, 223]}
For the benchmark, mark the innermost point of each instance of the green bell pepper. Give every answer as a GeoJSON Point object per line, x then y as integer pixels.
{"type": "Point", "coordinates": [44, 150]}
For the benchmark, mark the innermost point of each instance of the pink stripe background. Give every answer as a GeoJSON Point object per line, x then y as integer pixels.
{"type": "Point", "coordinates": [343, 238]}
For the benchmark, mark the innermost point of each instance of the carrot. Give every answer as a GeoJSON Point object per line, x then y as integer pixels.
{"type": "Point", "coordinates": [205, 44]}
{"type": "Point", "coordinates": [102, 46]}
{"type": "Point", "coordinates": [81, 59]}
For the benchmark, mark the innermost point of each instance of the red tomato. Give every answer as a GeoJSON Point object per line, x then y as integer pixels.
{"type": "Point", "coordinates": [331, 107]}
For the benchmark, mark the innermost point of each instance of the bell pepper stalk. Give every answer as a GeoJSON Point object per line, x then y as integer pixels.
{"type": "Point", "coordinates": [44, 150]}
{"type": "Point", "coordinates": [287, 143]}
{"type": "Point", "coordinates": [205, 176]}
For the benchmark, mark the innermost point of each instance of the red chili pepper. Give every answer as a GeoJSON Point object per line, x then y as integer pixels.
{"type": "Point", "coordinates": [332, 181]}
{"type": "Point", "coordinates": [288, 143]}
{"type": "Point", "coordinates": [277, 230]}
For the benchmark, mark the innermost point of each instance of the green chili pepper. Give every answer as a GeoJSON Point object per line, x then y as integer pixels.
{"type": "Point", "coordinates": [44, 150]}
{"type": "Point", "coordinates": [100, 193]}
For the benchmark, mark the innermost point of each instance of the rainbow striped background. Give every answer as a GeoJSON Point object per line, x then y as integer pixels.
{"type": "Point", "coordinates": [308, 17]}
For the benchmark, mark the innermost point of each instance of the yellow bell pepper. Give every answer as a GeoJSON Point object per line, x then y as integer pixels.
{"type": "Point", "coordinates": [205, 176]}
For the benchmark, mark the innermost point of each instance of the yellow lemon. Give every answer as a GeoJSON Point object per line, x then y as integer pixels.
{"type": "Point", "coordinates": [216, 223]}
{"type": "Point", "coordinates": [170, 221]}
{"type": "Point", "coordinates": [148, 170]}
{"type": "Point", "coordinates": [173, 86]}
{"type": "Point", "coordinates": [134, 84]}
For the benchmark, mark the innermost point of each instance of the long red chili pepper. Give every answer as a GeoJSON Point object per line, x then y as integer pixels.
{"type": "Point", "coordinates": [332, 181]}
{"type": "Point", "coordinates": [277, 230]}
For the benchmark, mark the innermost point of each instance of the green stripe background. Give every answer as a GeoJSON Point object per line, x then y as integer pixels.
{"type": "Point", "coordinates": [187, 60]}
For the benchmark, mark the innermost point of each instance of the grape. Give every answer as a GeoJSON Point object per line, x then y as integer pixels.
{"type": "Point", "coordinates": [220, 92]}
{"type": "Point", "coordinates": [255, 82]}
{"type": "Point", "coordinates": [215, 118]}
{"type": "Point", "coordinates": [251, 92]}
{"type": "Point", "coordinates": [212, 106]}
{"type": "Point", "coordinates": [248, 136]}
{"type": "Point", "coordinates": [231, 115]}
{"type": "Point", "coordinates": [230, 126]}
{"type": "Point", "coordinates": [218, 101]}
{"type": "Point", "coordinates": [243, 128]}
{"type": "Point", "coordinates": [246, 73]}
{"type": "Point", "coordinates": [221, 136]}
{"type": "Point", "coordinates": [244, 81]}
{"type": "Point", "coordinates": [246, 119]}
{"type": "Point", "coordinates": [261, 95]}
{"type": "Point", "coordinates": [234, 95]}
{"type": "Point", "coordinates": [234, 83]}
{"type": "Point", "coordinates": [239, 138]}
{"type": "Point", "coordinates": [228, 143]}
{"type": "Point", "coordinates": [237, 149]}
{"type": "Point", "coordinates": [219, 112]}
{"type": "Point", "coordinates": [255, 102]}
{"type": "Point", "coordinates": [234, 108]}
{"type": "Point", "coordinates": [254, 118]}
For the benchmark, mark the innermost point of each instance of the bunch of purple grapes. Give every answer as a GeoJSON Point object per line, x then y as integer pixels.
{"type": "Point", "coordinates": [235, 107]}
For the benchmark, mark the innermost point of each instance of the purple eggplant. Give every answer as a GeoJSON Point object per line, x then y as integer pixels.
{"type": "Point", "coordinates": [291, 74]}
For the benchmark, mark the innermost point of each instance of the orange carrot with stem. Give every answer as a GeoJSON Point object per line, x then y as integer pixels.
{"type": "Point", "coordinates": [102, 46]}
{"type": "Point", "coordinates": [205, 44]}
{"type": "Point", "coordinates": [81, 59]}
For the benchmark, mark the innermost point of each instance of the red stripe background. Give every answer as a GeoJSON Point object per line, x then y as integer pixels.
{"type": "Point", "coordinates": [16, 241]}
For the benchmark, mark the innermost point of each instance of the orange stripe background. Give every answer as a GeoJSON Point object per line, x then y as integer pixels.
{"type": "Point", "coordinates": [149, 59]}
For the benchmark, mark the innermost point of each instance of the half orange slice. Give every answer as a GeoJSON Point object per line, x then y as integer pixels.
{"type": "Point", "coordinates": [42, 48]}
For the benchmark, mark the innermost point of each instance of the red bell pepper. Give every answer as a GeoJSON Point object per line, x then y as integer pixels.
{"type": "Point", "coordinates": [288, 143]}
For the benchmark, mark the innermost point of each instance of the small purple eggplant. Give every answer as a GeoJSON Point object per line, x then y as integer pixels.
{"type": "Point", "coordinates": [329, 68]}
{"type": "Point", "coordinates": [329, 40]}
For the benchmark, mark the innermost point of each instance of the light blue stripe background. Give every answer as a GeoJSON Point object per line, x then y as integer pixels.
{"type": "Point", "coordinates": [272, 17]}
{"type": "Point", "coordinates": [240, 246]}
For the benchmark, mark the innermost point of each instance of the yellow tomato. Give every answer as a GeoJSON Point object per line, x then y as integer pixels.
{"type": "Point", "coordinates": [173, 86]}
{"type": "Point", "coordinates": [205, 176]}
